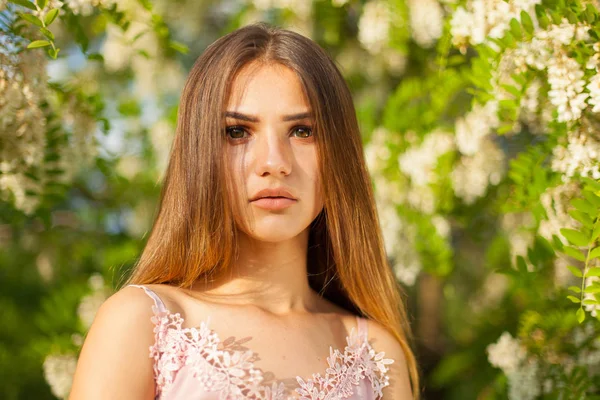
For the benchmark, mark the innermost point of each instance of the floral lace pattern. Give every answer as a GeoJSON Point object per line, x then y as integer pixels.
{"type": "Point", "coordinates": [232, 374]}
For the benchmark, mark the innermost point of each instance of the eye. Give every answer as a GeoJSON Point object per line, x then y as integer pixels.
{"type": "Point", "coordinates": [234, 132]}
{"type": "Point", "coordinates": [304, 131]}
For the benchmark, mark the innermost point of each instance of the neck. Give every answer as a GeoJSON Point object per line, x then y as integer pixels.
{"type": "Point", "coordinates": [271, 276]}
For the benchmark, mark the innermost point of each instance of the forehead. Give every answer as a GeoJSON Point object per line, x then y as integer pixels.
{"type": "Point", "coordinates": [270, 88]}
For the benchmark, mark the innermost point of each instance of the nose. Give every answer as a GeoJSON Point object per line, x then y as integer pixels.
{"type": "Point", "coordinates": [273, 154]}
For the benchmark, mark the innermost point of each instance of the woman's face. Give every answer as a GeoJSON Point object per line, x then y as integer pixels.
{"type": "Point", "coordinates": [270, 144]}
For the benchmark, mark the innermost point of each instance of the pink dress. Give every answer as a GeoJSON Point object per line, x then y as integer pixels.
{"type": "Point", "coordinates": [189, 364]}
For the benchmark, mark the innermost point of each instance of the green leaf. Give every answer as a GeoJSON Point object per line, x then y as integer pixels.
{"type": "Point", "coordinates": [575, 289]}
{"type": "Point", "coordinates": [596, 232]}
{"type": "Point", "coordinates": [24, 3]}
{"type": "Point", "coordinates": [527, 22]}
{"type": "Point", "coordinates": [582, 217]}
{"type": "Point", "coordinates": [556, 17]}
{"type": "Point", "coordinates": [591, 183]}
{"type": "Point", "coordinates": [592, 289]}
{"type": "Point", "coordinates": [590, 302]}
{"type": "Point", "coordinates": [580, 315]}
{"type": "Point", "coordinates": [590, 13]}
{"type": "Point", "coordinates": [95, 56]}
{"type": "Point", "coordinates": [585, 206]}
{"type": "Point", "coordinates": [42, 3]}
{"type": "Point", "coordinates": [573, 299]}
{"type": "Point", "coordinates": [544, 21]}
{"type": "Point", "coordinates": [512, 90]}
{"type": "Point", "coordinates": [592, 199]}
{"type": "Point", "coordinates": [53, 53]}
{"type": "Point", "coordinates": [572, 17]}
{"type": "Point", "coordinates": [515, 28]}
{"type": "Point", "coordinates": [573, 252]}
{"type": "Point", "coordinates": [47, 33]}
{"type": "Point", "coordinates": [521, 264]}
{"type": "Point", "coordinates": [593, 272]}
{"type": "Point", "coordinates": [38, 43]}
{"type": "Point", "coordinates": [575, 271]}
{"type": "Point", "coordinates": [595, 253]}
{"type": "Point", "coordinates": [557, 243]}
{"type": "Point", "coordinates": [51, 16]}
{"type": "Point", "coordinates": [31, 18]}
{"type": "Point", "coordinates": [503, 130]}
{"type": "Point", "coordinates": [179, 47]}
{"type": "Point", "coordinates": [574, 237]}
{"type": "Point", "coordinates": [509, 40]}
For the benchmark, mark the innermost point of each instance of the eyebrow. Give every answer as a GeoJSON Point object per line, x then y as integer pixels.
{"type": "Point", "coordinates": [251, 118]}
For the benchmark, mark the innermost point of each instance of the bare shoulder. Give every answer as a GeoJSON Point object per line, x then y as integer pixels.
{"type": "Point", "coordinates": [114, 361]}
{"type": "Point", "coordinates": [383, 340]}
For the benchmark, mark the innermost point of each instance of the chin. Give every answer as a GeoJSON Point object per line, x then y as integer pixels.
{"type": "Point", "coordinates": [274, 235]}
{"type": "Point", "coordinates": [276, 232]}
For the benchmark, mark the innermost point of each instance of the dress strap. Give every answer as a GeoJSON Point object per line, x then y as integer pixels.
{"type": "Point", "coordinates": [157, 301]}
{"type": "Point", "coordinates": [362, 326]}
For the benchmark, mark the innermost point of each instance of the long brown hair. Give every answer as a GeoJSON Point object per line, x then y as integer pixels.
{"type": "Point", "coordinates": [194, 233]}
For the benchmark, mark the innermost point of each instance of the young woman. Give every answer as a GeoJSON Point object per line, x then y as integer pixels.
{"type": "Point", "coordinates": [264, 275]}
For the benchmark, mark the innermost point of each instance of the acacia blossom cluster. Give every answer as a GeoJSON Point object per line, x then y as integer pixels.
{"type": "Point", "coordinates": [419, 162]}
{"type": "Point", "coordinates": [580, 155]}
{"type": "Point", "coordinates": [59, 369]}
{"type": "Point", "coordinates": [517, 228]}
{"type": "Point", "coordinates": [482, 162]}
{"type": "Point", "coordinates": [510, 356]}
{"type": "Point", "coordinates": [138, 48]}
{"type": "Point", "coordinates": [58, 372]}
{"type": "Point", "coordinates": [481, 19]}
{"type": "Point", "coordinates": [374, 26]}
{"type": "Point", "coordinates": [472, 129]}
{"type": "Point", "coordinates": [90, 303]}
{"type": "Point", "coordinates": [86, 7]}
{"type": "Point", "coordinates": [473, 174]}
{"type": "Point", "coordinates": [399, 236]}
{"type": "Point", "coordinates": [426, 21]}
{"type": "Point", "coordinates": [593, 309]}
{"type": "Point", "coordinates": [23, 87]}
{"type": "Point", "coordinates": [555, 201]}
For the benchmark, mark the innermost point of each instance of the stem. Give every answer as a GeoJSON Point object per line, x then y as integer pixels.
{"type": "Point", "coordinates": [587, 261]}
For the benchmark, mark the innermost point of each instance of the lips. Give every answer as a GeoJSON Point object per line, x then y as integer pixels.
{"type": "Point", "coordinates": [273, 193]}
{"type": "Point", "coordinates": [273, 203]}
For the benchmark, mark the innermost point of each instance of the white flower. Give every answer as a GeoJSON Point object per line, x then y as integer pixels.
{"type": "Point", "coordinates": [566, 87]}
{"type": "Point", "coordinates": [593, 309]}
{"type": "Point", "coordinates": [580, 156]}
{"type": "Point", "coordinates": [473, 174]}
{"type": "Point", "coordinates": [420, 161]}
{"type": "Point", "coordinates": [96, 282]}
{"type": "Point", "coordinates": [377, 152]}
{"type": "Point", "coordinates": [90, 304]}
{"type": "Point", "coordinates": [594, 88]}
{"type": "Point", "coordinates": [442, 226]}
{"type": "Point", "coordinates": [490, 293]}
{"type": "Point", "coordinates": [374, 26]}
{"type": "Point", "coordinates": [507, 354]}
{"type": "Point", "coordinates": [555, 201]}
{"type": "Point", "coordinates": [86, 7]}
{"type": "Point", "coordinates": [480, 19]}
{"type": "Point", "coordinates": [407, 270]}
{"type": "Point", "coordinates": [523, 383]}
{"type": "Point", "coordinates": [426, 21]}
{"type": "Point", "coordinates": [472, 129]}
{"type": "Point", "coordinates": [59, 371]}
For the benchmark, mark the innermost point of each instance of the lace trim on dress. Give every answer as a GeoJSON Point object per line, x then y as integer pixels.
{"type": "Point", "coordinates": [233, 375]}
